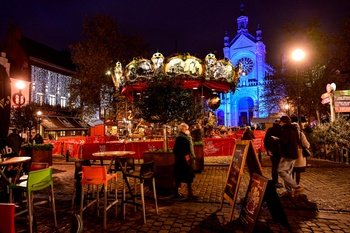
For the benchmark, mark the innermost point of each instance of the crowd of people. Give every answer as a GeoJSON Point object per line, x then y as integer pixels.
{"type": "Point", "coordinates": [283, 143]}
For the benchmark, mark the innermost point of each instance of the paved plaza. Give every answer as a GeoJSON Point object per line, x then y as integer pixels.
{"type": "Point", "coordinates": [323, 207]}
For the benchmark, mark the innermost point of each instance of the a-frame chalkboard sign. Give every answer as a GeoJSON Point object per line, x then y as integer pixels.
{"type": "Point", "coordinates": [253, 201]}
{"type": "Point", "coordinates": [243, 154]}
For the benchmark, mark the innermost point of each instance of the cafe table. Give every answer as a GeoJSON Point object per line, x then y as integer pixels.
{"type": "Point", "coordinates": [115, 158]}
{"type": "Point", "coordinates": [4, 164]}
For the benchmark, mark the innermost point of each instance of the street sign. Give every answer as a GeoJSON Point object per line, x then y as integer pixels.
{"type": "Point", "coordinates": [342, 109]}
{"type": "Point", "coordinates": [325, 95]}
{"type": "Point", "coordinates": [325, 100]}
{"type": "Point", "coordinates": [342, 92]}
{"type": "Point", "coordinates": [342, 101]}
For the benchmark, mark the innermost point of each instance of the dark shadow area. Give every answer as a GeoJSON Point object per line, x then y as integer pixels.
{"type": "Point", "coordinates": [213, 224]}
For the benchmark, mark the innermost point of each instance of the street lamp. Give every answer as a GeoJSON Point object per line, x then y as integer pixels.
{"type": "Point", "coordinates": [298, 55]}
{"type": "Point", "coordinates": [38, 115]}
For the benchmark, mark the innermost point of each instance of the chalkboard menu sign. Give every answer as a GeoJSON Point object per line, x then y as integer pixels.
{"type": "Point", "coordinates": [252, 201]}
{"type": "Point", "coordinates": [235, 173]}
{"type": "Point", "coordinates": [243, 154]}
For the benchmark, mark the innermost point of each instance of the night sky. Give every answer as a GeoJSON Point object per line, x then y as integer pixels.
{"type": "Point", "coordinates": [193, 26]}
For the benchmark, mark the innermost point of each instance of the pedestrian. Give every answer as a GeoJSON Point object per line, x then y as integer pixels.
{"type": "Point", "coordinates": [300, 163]}
{"type": "Point", "coordinates": [289, 153]}
{"type": "Point", "coordinates": [273, 150]}
{"type": "Point", "coordinates": [37, 139]}
{"type": "Point", "coordinates": [14, 141]}
{"type": "Point", "coordinates": [248, 134]}
{"type": "Point", "coordinates": [184, 160]}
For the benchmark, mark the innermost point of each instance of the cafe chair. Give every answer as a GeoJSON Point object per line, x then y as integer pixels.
{"type": "Point", "coordinates": [97, 176]}
{"type": "Point", "coordinates": [77, 181]}
{"type": "Point", "coordinates": [128, 164]}
{"type": "Point", "coordinates": [37, 180]}
{"type": "Point", "coordinates": [34, 166]}
{"type": "Point", "coordinates": [146, 173]}
{"type": "Point", "coordinates": [7, 217]}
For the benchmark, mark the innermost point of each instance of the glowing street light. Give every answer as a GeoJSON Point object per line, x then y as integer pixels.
{"type": "Point", "coordinates": [298, 55]}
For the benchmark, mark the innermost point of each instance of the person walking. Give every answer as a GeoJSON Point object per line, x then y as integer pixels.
{"type": "Point", "coordinates": [184, 160]}
{"type": "Point", "coordinates": [248, 134]}
{"type": "Point", "coordinates": [273, 150]}
{"type": "Point", "coordinates": [300, 163]}
{"type": "Point", "coordinates": [289, 153]}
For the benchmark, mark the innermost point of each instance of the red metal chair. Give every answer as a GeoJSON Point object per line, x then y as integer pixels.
{"type": "Point", "coordinates": [97, 176]}
{"type": "Point", "coordinates": [7, 217]}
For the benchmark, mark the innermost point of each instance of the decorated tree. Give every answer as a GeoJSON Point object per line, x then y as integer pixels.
{"type": "Point", "coordinates": [24, 118]}
{"type": "Point", "coordinates": [165, 102]}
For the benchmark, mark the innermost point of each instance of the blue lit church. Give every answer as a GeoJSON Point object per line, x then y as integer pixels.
{"type": "Point", "coordinates": [239, 108]}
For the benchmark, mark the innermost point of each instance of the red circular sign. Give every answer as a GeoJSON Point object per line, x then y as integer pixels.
{"type": "Point", "coordinates": [18, 99]}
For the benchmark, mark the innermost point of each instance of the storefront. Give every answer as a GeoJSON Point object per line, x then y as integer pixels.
{"type": "Point", "coordinates": [54, 127]}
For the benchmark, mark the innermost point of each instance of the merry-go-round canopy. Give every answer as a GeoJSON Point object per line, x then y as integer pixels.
{"type": "Point", "coordinates": [217, 75]}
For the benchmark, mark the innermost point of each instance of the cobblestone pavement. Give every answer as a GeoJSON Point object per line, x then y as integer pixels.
{"type": "Point", "coordinates": [323, 207]}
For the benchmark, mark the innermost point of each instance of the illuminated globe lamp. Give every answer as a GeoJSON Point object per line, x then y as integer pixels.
{"type": "Point", "coordinates": [18, 98]}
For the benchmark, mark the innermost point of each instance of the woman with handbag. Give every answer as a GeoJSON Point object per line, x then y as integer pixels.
{"type": "Point", "coordinates": [184, 160]}
{"type": "Point", "coordinates": [300, 163]}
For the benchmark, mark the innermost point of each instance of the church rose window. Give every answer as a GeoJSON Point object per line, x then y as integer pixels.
{"type": "Point", "coordinates": [247, 65]}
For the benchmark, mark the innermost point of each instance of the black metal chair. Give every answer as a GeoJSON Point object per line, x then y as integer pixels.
{"type": "Point", "coordinates": [77, 225]}
{"type": "Point", "coordinates": [77, 181]}
{"type": "Point", "coordinates": [146, 172]}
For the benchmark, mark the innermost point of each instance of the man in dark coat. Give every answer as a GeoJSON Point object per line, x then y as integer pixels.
{"type": "Point", "coordinates": [184, 157]}
{"type": "Point", "coordinates": [273, 149]}
{"type": "Point", "coordinates": [289, 153]}
{"type": "Point", "coordinates": [248, 134]}
{"type": "Point", "coordinates": [14, 141]}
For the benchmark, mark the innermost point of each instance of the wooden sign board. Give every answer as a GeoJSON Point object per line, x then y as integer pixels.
{"type": "Point", "coordinates": [252, 201]}
{"type": "Point", "coordinates": [243, 154]}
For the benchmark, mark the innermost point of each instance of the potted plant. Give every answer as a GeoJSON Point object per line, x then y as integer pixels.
{"type": "Point", "coordinates": [175, 104]}
{"type": "Point", "coordinates": [38, 152]}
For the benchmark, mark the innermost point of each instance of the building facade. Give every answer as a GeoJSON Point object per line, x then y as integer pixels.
{"type": "Point", "coordinates": [237, 109]}
{"type": "Point", "coordinates": [46, 74]}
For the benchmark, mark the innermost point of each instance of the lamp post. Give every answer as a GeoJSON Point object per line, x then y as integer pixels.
{"type": "Point", "coordinates": [298, 55]}
{"type": "Point", "coordinates": [38, 115]}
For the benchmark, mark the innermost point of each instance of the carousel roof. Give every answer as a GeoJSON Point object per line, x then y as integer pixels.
{"type": "Point", "coordinates": [219, 75]}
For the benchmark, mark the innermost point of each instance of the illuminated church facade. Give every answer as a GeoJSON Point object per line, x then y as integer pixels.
{"type": "Point", "coordinates": [239, 108]}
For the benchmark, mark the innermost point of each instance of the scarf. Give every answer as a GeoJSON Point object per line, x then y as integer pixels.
{"type": "Point", "coordinates": [193, 156]}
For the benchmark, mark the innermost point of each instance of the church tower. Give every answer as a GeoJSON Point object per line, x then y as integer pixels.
{"type": "Point", "coordinates": [248, 51]}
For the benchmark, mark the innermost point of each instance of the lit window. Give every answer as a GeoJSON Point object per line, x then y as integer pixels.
{"type": "Point", "coordinates": [63, 102]}
{"type": "Point", "coordinates": [40, 98]}
{"type": "Point", "coordinates": [52, 100]}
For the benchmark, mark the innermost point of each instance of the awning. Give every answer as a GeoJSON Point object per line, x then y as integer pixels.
{"type": "Point", "coordinates": [59, 123]}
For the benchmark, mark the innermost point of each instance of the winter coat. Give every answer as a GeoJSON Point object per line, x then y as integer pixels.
{"type": "Point", "coordinates": [301, 160]}
{"type": "Point", "coordinates": [289, 141]}
{"type": "Point", "coordinates": [182, 171]}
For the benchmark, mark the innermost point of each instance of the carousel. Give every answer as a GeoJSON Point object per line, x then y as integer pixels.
{"type": "Point", "coordinates": [207, 78]}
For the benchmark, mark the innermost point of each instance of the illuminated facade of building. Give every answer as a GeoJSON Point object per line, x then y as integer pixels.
{"type": "Point", "coordinates": [46, 74]}
{"type": "Point", "coordinates": [237, 109]}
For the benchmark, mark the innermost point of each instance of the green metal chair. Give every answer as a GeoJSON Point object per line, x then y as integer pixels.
{"type": "Point", "coordinates": [37, 180]}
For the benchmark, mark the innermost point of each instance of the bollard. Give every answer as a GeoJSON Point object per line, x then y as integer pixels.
{"type": "Point", "coordinates": [67, 156]}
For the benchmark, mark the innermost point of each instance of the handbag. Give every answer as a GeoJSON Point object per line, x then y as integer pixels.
{"type": "Point", "coordinates": [306, 152]}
